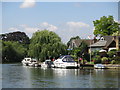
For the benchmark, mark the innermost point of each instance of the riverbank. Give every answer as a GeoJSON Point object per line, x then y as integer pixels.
{"type": "Point", "coordinates": [112, 66]}
{"type": "Point", "coordinates": [108, 66]}
{"type": "Point", "coordinates": [85, 66]}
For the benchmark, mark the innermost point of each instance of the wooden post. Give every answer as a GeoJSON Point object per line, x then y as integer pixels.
{"type": "Point", "coordinates": [117, 42]}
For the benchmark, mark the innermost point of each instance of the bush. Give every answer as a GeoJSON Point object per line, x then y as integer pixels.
{"type": "Point", "coordinates": [113, 62]}
{"type": "Point", "coordinates": [94, 53]}
{"type": "Point", "coordinates": [117, 59]}
{"type": "Point", "coordinates": [111, 53]}
{"type": "Point", "coordinates": [104, 60]}
{"type": "Point", "coordinates": [97, 59]}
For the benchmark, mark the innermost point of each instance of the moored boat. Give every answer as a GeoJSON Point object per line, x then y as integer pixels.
{"type": "Point", "coordinates": [47, 64]}
{"type": "Point", "coordinates": [26, 61]}
{"type": "Point", "coordinates": [30, 62]}
{"type": "Point", "coordinates": [65, 61]}
{"type": "Point", "coordinates": [99, 66]}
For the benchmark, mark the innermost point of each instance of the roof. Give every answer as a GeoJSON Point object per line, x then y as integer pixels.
{"type": "Point", "coordinates": [88, 41]}
{"type": "Point", "coordinates": [105, 42]}
{"type": "Point", "coordinates": [77, 42]}
{"type": "Point", "coordinates": [109, 40]}
{"type": "Point", "coordinates": [100, 43]}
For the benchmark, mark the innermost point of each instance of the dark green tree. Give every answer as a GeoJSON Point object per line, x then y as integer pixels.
{"type": "Point", "coordinates": [12, 51]}
{"type": "Point", "coordinates": [46, 44]}
{"type": "Point", "coordinates": [79, 51]}
{"type": "Point", "coordinates": [18, 36]}
{"type": "Point", "coordinates": [105, 26]}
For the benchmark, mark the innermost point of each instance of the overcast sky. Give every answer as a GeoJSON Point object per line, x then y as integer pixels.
{"type": "Point", "coordinates": [67, 19]}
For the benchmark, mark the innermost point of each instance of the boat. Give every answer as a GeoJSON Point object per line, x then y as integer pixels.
{"type": "Point", "coordinates": [65, 61]}
{"type": "Point", "coordinates": [26, 61]}
{"type": "Point", "coordinates": [30, 62]}
{"type": "Point", "coordinates": [33, 63]}
{"type": "Point", "coordinates": [99, 66]}
{"type": "Point", "coordinates": [47, 64]}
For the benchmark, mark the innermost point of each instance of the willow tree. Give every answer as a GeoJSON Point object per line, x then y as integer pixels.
{"type": "Point", "coordinates": [46, 44]}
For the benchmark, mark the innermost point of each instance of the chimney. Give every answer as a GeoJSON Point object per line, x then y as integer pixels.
{"type": "Point", "coordinates": [94, 40]}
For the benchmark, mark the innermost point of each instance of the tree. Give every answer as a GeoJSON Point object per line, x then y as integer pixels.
{"type": "Point", "coordinates": [79, 51]}
{"type": "Point", "coordinates": [46, 44]}
{"type": "Point", "coordinates": [12, 51]}
{"type": "Point", "coordinates": [105, 26]}
{"type": "Point", "coordinates": [18, 36]}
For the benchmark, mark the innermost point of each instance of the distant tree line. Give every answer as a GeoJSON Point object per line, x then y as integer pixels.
{"type": "Point", "coordinates": [14, 46]}
{"type": "Point", "coordinates": [43, 45]}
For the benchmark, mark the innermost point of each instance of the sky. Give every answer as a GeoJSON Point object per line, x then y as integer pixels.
{"type": "Point", "coordinates": [67, 19]}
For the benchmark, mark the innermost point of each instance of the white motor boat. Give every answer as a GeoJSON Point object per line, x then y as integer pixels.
{"type": "Point", "coordinates": [47, 64]}
{"type": "Point", "coordinates": [26, 61]}
{"type": "Point", "coordinates": [65, 62]}
{"type": "Point", "coordinates": [33, 63]}
{"type": "Point", "coordinates": [30, 62]}
{"type": "Point", "coordinates": [99, 66]}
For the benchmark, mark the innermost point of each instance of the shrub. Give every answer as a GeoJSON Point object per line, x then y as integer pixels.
{"type": "Point", "coordinates": [104, 60]}
{"type": "Point", "coordinates": [113, 62]}
{"type": "Point", "coordinates": [94, 53]}
{"type": "Point", "coordinates": [117, 59]}
{"type": "Point", "coordinates": [97, 59]}
{"type": "Point", "coordinates": [111, 53]}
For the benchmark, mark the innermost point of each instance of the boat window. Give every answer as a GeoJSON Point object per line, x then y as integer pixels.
{"type": "Point", "coordinates": [28, 59]}
{"type": "Point", "coordinates": [68, 59]}
{"type": "Point", "coordinates": [60, 57]}
{"type": "Point", "coordinates": [65, 59]}
{"type": "Point", "coordinates": [47, 62]}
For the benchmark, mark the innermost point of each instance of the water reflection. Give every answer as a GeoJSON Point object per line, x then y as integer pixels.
{"type": "Point", "coordinates": [64, 72]}
{"type": "Point", "coordinates": [105, 78]}
{"type": "Point", "coordinates": [17, 76]}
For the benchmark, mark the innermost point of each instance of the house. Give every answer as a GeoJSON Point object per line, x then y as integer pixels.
{"type": "Point", "coordinates": [77, 42]}
{"type": "Point", "coordinates": [107, 43]}
{"type": "Point", "coordinates": [74, 43]}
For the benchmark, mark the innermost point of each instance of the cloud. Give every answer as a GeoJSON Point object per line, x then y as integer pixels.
{"type": "Point", "coordinates": [13, 29]}
{"type": "Point", "coordinates": [77, 24]}
{"type": "Point", "coordinates": [47, 26]}
{"type": "Point", "coordinates": [30, 30]}
{"type": "Point", "coordinates": [28, 4]}
{"type": "Point", "coordinates": [65, 30]}
{"type": "Point", "coordinates": [72, 29]}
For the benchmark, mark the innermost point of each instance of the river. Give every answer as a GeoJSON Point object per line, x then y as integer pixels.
{"type": "Point", "coordinates": [18, 76]}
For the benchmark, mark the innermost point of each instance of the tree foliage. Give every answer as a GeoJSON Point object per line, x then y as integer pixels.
{"type": "Point", "coordinates": [18, 36]}
{"type": "Point", "coordinates": [12, 51]}
{"type": "Point", "coordinates": [46, 44]}
{"type": "Point", "coordinates": [105, 26]}
{"type": "Point", "coordinates": [79, 51]}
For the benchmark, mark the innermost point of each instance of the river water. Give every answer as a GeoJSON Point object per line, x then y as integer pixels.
{"type": "Point", "coordinates": [18, 76]}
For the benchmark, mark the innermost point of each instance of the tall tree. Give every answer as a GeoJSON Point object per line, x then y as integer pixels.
{"type": "Point", "coordinates": [46, 44]}
{"type": "Point", "coordinates": [105, 26]}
